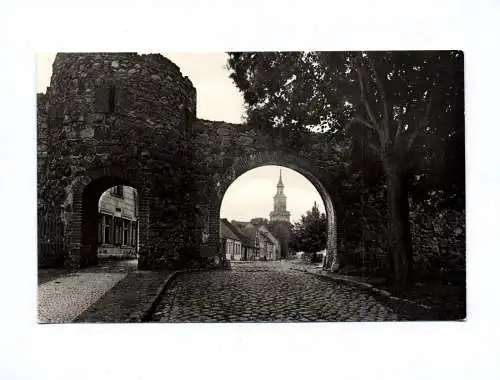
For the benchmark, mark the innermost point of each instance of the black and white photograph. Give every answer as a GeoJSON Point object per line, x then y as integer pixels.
{"type": "Point", "coordinates": [249, 190]}
{"type": "Point", "coordinates": [324, 187]}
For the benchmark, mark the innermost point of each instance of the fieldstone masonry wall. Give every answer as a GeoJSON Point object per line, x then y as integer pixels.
{"type": "Point", "coordinates": [439, 243]}
{"type": "Point", "coordinates": [225, 151]}
{"type": "Point", "coordinates": [42, 137]}
{"type": "Point", "coordinates": [116, 119]}
{"type": "Point", "coordinates": [122, 118]}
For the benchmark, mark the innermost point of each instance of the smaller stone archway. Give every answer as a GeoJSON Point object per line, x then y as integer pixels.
{"type": "Point", "coordinates": [81, 215]}
{"type": "Point", "coordinates": [241, 166]}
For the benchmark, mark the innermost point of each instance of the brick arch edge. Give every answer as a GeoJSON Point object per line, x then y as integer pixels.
{"type": "Point", "coordinates": [243, 164]}
{"type": "Point", "coordinates": [84, 192]}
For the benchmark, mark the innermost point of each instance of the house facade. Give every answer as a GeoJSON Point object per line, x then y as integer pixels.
{"type": "Point", "coordinates": [259, 239]}
{"type": "Point", "coordinates": [118, 228]}
{"type": "Point", "coordinates": [231, 242]}
{"type": "Point", "coordinates": [269, 246]}
{"type": "Point", "coordinates": [262, 245]}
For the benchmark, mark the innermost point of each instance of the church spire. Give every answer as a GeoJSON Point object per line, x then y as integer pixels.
{"type": "Point", "coordinates": [280, 213]}
{"type": "Point", "coordinates": [280, 186]}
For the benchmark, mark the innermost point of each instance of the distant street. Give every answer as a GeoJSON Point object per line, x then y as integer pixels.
{"type": "Point", "coordinates": [266, 292]}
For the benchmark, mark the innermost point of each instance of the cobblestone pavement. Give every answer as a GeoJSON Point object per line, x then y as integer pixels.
{"type": "Point", "coordinates": [63, 299]}
{"type": "Point", "coordinates": [267, 292]}
{"type": "Point", "coordinates": [63, 296]}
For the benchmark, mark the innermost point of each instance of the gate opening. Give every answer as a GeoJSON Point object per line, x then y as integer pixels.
{"type": "Point", "coordinates": [110, 222]}
{"type": "Point", "coordinates": [260, 210]}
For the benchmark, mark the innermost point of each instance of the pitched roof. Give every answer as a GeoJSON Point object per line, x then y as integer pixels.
{"type": "Point", "coordinates": [268, 234]}
{"type": "Point", "coordinates": [251, 230]}
{"type": "Point", "coordinates": [239, 224]}
{"type": "Point", "coordinates": [247, 229]}
{"type": "Point", "coordinates": [228, 230]}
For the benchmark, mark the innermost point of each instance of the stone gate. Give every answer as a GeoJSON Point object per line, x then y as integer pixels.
{"type": "Point", "coordinates": [127, 119]}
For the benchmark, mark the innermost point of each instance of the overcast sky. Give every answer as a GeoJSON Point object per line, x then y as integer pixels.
{"type": "Point", "coordinates": [251, 195]}
{"type": "Point", "coordinates": [217, 97]}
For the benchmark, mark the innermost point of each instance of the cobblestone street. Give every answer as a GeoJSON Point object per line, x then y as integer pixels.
{"type": "Point", "coordinates": [266, 292]}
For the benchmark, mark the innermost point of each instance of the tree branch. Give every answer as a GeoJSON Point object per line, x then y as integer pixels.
{"type": "Point", "coordinates": [361, 121]}
{"type": "Point", "coordinates": [398, 131]}
{"type": "Point", "coordinates": [422, 123]}
{"type": "Point", "coordinates": [374, 147]}
{"type": "Point", "coordinates": [383, 97]}
{"type": "Point", "coordinates": [383, 137]}
{"type": "Point", "coordinates": [362, 92]}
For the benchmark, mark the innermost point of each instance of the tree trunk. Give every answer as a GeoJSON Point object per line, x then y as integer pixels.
{"type": "Point", "coordinates": [399, 239]}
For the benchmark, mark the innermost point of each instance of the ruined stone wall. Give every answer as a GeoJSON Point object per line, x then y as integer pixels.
{"type": "Point", "coordinates": [125, 116]}
{"type": "Point", "coordinates": [131, 119]}
{"type": "Point", "coordinates": [42, 137]}
{"type": "Point", "coordinates": [225, 151]}
{"type": "Point", "coordinates": [102, 106]}
{"type": "Point", "coordinates": [438, 238]}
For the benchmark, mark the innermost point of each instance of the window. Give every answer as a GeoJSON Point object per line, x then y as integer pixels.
{"type": "Point", "coordinates": [133, 233]}
{"type": "Point", "coordinates": [126, 232]}
{"type": "Point", "coordinates": [106, 223]}
{"type": "Point", "coordinates": [118, 231]}
{"type": "Point", "coordinates": [117, 191]}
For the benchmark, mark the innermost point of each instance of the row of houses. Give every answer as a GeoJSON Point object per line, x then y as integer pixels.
{"type": "Point", "coordinates": [241, 241]}
{"type": "Point", "coordinates": [118, 231]}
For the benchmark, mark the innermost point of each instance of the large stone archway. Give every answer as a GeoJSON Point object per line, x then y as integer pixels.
{"type": "Point", "coordinates": [120, 118]}
{"type": "Point", "coordinates": [242, 165]}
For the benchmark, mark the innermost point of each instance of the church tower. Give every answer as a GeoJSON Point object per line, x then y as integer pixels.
{"type": "Point", "coordinates": [280, 214]}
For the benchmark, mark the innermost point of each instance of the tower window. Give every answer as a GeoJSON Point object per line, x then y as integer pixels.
{"type": "Point", "coordinates": [112, 98]}
{"type": "Point", "coordinates": [105, 98]}
{"type": "Point", "coordinates": [117, 191]}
